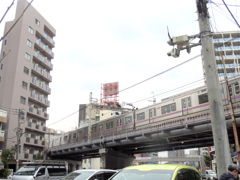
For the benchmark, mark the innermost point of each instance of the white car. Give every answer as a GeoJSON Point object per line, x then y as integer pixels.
{"type": "Point", "coordinates": [90, 174]}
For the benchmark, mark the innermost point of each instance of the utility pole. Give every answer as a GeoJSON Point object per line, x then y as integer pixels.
{"type": "Point", "coordinates": [90, 118]}
{"type": "Point", "coordinates": [219, 129]}
{"type": "Point", "coordinates": [21, 115]}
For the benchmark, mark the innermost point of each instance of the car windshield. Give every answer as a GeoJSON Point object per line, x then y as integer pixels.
{"type": "Point", "coordinates": [29, 171]}
{"type": "Point", "coordinates": [134, 174]}
{"type": "Point", "coordinates": [80, 175]}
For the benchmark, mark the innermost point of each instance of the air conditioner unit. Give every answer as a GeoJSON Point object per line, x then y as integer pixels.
{"type": "Point", "coordinates": [40, 109]}
{"type": "Point", "coordinates": [29, 135]}
{"type": "Point", "coordinates": [30, 120]}
{"type": "Point", "coordinates": [32, 105]}
{"type": "Point", "coordinates": [34, 91]}
{"type": "Point", "coordinates": [38, 123]}
{"type": "Point", "coordinates": [27, 151]}
{"type": "Point", "coordinates": [37, 137]}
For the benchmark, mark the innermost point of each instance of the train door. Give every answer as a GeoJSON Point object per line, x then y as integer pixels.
{"type": "Point", "coordinates": [186, 104]}
{"type": "Point", "coordinates": [152, 113]}
{"type": "Point", "coordinates": [119, 124]}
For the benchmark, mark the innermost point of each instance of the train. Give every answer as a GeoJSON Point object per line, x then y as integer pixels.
{"type": "Point", "coordinates": [174, 109]}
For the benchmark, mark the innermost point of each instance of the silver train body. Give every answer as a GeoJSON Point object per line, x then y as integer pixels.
{"type": "Point", "coordinates": [173, 110]}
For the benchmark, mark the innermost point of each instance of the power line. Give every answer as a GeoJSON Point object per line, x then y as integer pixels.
{"type": "Point", "coordinates": [66, 117]}
{"type": "Point", "coordinates": [230, 13]}
{"type": "Point", "coordinates": [161, 73]}
{"type": "Point", "coordinates": [7, 11]}
{"type": "Point", "coordinates": [16, 21]}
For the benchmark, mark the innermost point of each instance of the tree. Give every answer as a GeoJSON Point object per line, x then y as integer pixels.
{"type": "Point", "coordinates": [7, 155]}
{"type": "Point", "coordinates": [207, 161]}
{"type": "Point", "coordinates": [38, 156]}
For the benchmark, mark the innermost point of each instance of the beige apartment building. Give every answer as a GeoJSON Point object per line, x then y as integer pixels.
{"type": "Point", "coordinates": [25, 68]}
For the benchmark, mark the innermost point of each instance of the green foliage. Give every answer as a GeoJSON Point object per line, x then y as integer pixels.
{"type": "Point", "coordinates": [38, 156]}
{"type": "Point", "coordinates": [7, 155]}
{"type": "Point", "coordinates": [4, 173]}
{"type": "Point", "coordinates": [207, 161]}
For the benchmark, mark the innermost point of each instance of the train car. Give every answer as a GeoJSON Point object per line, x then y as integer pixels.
{"type": "Point", "coordinates": [176, 110]}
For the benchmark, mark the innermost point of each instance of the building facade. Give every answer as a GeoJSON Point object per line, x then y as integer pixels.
{"type": "Point", "coordinates": [25, 68]}
{"type": "Point", "coordinates": [227, 51]}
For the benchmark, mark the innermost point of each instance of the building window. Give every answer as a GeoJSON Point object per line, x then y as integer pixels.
{"type": "Point", "coordinates": [26, 70]}
{"type": "Point", "coordinates": [30, 30]}
{"type": "Point", "coordinates": [5, 42]}
{"type": "Point", "coordinates": [37, 22]}
{"type": "Point", "coordinates": [28, 57]}
{"type": "Point", "coordinates": [1, 66]}
{"type": "Point", "coordinates": [24, 85]}
{"type": "Point", "coordinates": [3, 53]}
{"type": "Point", "coordinates": [29, 43]}
{"type": "Point", "coordinates": [22, 100]}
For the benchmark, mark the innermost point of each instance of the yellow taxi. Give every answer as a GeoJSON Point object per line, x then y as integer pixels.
{"type": "Point", "coordinates": [157, 172]}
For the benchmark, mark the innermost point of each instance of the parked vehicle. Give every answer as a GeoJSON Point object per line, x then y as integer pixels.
{"type": "Point", "coordinates": [41, 170]}
{"type": "Point", "coordinates": [157, 172]}
{"type": "Point", "coordinates": [90, 174]}
{"type": "Point", "coordinates": [210, 175]}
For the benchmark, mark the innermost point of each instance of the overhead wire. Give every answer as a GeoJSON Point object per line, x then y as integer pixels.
{"type": "Point", "coordinates": [160, 73]}
{"type": "Point", "coordinates": [7, 11]}
{"type": "Point", "coordinates": [231, 13]}
{"type": "Point", "coordinates": [16, 21]}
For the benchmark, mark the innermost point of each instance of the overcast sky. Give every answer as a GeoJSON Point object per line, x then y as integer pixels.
{"type": "Point", "coordinates": [102, 41]}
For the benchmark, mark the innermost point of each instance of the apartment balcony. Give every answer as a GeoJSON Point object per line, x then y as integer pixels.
{"type": "Point", "coordinates": [40, 72]}
{"type": "Point", "coordinates": [43, 48]}
{"type": "Point", "coordinates": [37, 113]}
{"type": "Point", "coordinates": [42, 60]}
{"type": "Point", "coordinates": [46, 39]}
{"type": "Point", "coordinates": [34, 142]}
{"type": "Point", "coordinates": [36, 127]}
{"type": "Point", "coordinates": [2, 135]}
{"type": "Point", "coordinates": [3, 119]}
{"type": "Point", "coordinates": [38, 99]}
{"type": "Point", "coordinates": [40, 85]}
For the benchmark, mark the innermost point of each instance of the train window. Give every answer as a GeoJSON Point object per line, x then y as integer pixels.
{"type": "Point", "coordinates": [79, 133]}
{"type": "Point", "coordinates": [203, 98]}
{"type": "Point", "coordinates": [237, 91]}
{"type": "Point", "coordinates": [119, 122]}
{"type": "Point", "coordinates": [140, 116]}
{"type": "Point", "coordinates": [65, 138]}
{"type": "Point", "coordinates": [168, 108]}
{"type": "Point", "coordinates": [128, 119]}
{"type": "Point", "coordinates": [94, 129]}
{"type": "Point", "coordinates": [230, 90]}
{"type": "Point", "coordinates": [186, 102]}
{"type": "Point", "coordinates": [100, 127]}
{"type": "Point", "coordinates": [109, 125]}
{"type": "Point", "coordinates": [152, 112]}
{"type": "Point", "coordinates": [74, 135]}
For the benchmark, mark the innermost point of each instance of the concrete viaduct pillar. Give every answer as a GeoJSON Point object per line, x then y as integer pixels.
{"type": "Point", "coordinates": [116, 160]}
